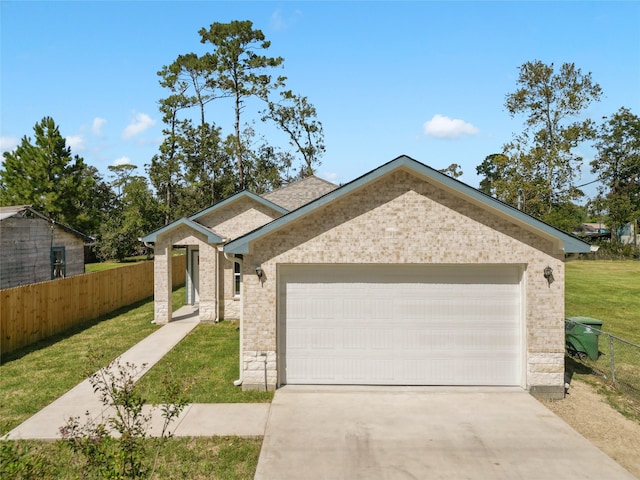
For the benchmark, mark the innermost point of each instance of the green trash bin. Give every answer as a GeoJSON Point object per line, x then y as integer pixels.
{"type": "Point", "coordinates": [581, 337]}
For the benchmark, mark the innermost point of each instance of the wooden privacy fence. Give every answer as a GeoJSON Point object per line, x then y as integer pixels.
{"type": "Point", "coordinates": [33, 312]}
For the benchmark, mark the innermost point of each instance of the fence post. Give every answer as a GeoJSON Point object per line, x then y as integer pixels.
{"type": "Point", "coordinates": [613, 361]}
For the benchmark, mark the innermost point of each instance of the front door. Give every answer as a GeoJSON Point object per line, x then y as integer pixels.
{"type": "Point", "coordinates": [194, 296]}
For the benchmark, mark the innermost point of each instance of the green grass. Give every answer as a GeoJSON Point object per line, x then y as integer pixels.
{"type": "Point", "coordinates": [108, 265]}
{"type": "Point", "coordinates": [209, 356]}
{"type": "Point", "coordinates": [228, 458]}
{"type": "Point", "coordinates": [609, 291]}
{"type": "Point", "coordinates": [34, 376]}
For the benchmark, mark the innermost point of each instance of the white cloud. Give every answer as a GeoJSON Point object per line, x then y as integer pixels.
{"type": "Point", "coordinates": [8, 144]}
{"type": "Point", "coordinates": [76, 142]}
{"type": "Point", "coordinates": [451, 129]}
{"type": "Point", "coordinates": [141, 122]}
{"type": "Point", "coordinates": [279, 22]}
{"type": "Point", "coordinates": [97, 125]}
{"type": "Point", "coordinates": [121, 161]}
{"type": "Point", "coordinates": [329, 176]}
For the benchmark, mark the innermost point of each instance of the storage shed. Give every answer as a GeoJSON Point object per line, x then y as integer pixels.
{"type": "Point", "coordinates": [34, 248]}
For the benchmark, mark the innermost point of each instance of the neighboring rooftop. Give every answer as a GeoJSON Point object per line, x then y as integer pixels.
{"type": "Point", "coordinates": [14, 210]}
{"type": "Point", "coordinates": [22, 211]}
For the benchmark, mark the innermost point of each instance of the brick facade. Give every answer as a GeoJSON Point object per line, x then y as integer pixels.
{"type": "Point", "coordinates": [215, 273]}
{"type": "Point", "coordinates": [401, 218]}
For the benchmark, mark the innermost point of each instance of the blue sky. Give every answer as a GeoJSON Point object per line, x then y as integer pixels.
{"type": "Point", "coordinates": [426, 79]}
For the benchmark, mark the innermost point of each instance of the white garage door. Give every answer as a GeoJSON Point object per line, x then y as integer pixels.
{"type": "Point", "coordinates": [400, 325]}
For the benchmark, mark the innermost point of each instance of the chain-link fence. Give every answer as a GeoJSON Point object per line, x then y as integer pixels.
{"type": "Point", "coordinates": [612, 358]}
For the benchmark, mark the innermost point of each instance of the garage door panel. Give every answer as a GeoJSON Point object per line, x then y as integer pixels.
{"type": "Point", "coordinates": [401, 326]}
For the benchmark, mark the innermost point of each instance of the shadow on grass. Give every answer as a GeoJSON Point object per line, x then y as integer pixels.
{"type": "Point", "coordinates": [76, 329]}
{"type": "Point", "coordinates": [573, 366]}
{"type": "Point", "coordinates": [81, 327]}
{"type": "Point", "coordinates": [58, 337]}
{"type": "Point", "coordinates": [623, 394]}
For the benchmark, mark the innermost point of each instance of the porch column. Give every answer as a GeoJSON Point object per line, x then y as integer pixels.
{"type": "Point", "coordinates": [162, 283]}
{"type": "Point", "coordinates": [207, 290]}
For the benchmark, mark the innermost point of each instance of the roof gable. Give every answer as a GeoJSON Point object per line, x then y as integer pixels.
{"type": "Point", "coordinates": [234, 198]}
{"type": "Point", "coordinates": [26, 210]}
{"type": "Point", "coordinates": [562, 240]}
{"type": "Point", "coordinates": [210, 236]}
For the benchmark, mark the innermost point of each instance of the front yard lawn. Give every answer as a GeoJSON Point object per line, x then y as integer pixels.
{"type": "Point", "coordinates": [34, 376]}
{"type": "Point", "coordinates": [607, 290]}
{"type": "Point", "coordinates": [209, 356]}
{"type": "Point", "coordinates": [224, 458]}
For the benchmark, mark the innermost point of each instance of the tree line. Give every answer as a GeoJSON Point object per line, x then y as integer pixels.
{"type": "Point", "coordinates": [202, 161]}
{"type": "Point", "coordinates": [538, 168]}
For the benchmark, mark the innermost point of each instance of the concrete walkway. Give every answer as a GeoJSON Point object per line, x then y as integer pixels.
{"type": "Point", "coordinates": [196, 420]}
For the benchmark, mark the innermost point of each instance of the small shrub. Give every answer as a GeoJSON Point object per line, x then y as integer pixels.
{"type": "Point", "coordinates": [126, 455]}
{"type": "Point", "coordinates": [616, 251]}
{"type": "Point", "coordinates": [19, 461]}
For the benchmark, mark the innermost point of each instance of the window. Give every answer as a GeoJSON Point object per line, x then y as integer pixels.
{"type": "Point", "coordinates": [236, 279]}
{"type": "Point", "coordinates": [58, 266]}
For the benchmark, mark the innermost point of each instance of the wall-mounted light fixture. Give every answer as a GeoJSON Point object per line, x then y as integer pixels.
{"type": "Point", "coordinates": [259, 272]}
{"type": "Point", "coordinates": [548, 274]}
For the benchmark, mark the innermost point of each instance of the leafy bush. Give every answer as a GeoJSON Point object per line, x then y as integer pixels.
{"type": "Point", "coordinates": [126, 455]}
{"type": "Point", "coordinates": [19, 461]}
{"type": "Point", "coordinates": [616, 251]}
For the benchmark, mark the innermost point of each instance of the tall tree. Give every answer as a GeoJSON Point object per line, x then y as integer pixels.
{"type": "Point", "coordinates": [46, 175]}
{"type": "Point", "coordinates": [297, 117]}
{"type": "Point", "coordinates": [165, 170]}
{"type": "Point", "coordinates": [135, 212]}
{"type": "Point", "coordinates": [267, 166]}
{"type": "Point", "coordinates": [206, 164]}
{"type": "Point", "coordinates": [454, 170]}
{"type": "Point", "coordinates": [241, 71]}
{"type": "Point", "coordinates": [211, 162]}
{"type": "Point", "coordinates": [543, 162]}
{"type": "Point", "coordinates": [492, 168]}
{"type": "Point", "coordinates": [617, 164]}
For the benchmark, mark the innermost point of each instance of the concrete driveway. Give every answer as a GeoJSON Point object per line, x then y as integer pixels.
{"type": "Point", "coordinates": [423, 433]}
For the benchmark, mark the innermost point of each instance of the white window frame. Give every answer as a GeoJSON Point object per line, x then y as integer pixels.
{"type": "Point", "coordinates": [58, 262]}
{"type": "Point", "coordinates": [237, 279]}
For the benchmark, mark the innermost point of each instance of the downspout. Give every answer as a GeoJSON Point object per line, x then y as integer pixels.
{"type": "Point", "coordinates": [235, 259]}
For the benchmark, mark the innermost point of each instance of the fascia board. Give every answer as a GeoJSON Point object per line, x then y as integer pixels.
{"type": "Point", "coordinates": [211, 237]}
{"type": "Point", "coordinates": [235, 198]}
{"type": "Point", "coordinates": [241, 245]}
{"type": "Point", "coordinates": [565, 242]}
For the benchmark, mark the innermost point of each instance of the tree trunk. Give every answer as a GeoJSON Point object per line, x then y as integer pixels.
{"type": "Point", "coordinates": [239, 143]}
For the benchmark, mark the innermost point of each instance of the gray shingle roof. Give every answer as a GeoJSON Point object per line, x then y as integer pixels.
{"type": "Point", "coordinates": [299, 193]}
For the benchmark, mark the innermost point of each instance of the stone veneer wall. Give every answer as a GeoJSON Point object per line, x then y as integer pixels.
{"type": "Point", "coordinates": [162, 275]}
{"type": "Point", "coordinates": [238, 218]}
{"type": "Point", "coordinates": [230, 221]}
{"type": "Point", "coordinates": [402, 219]}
